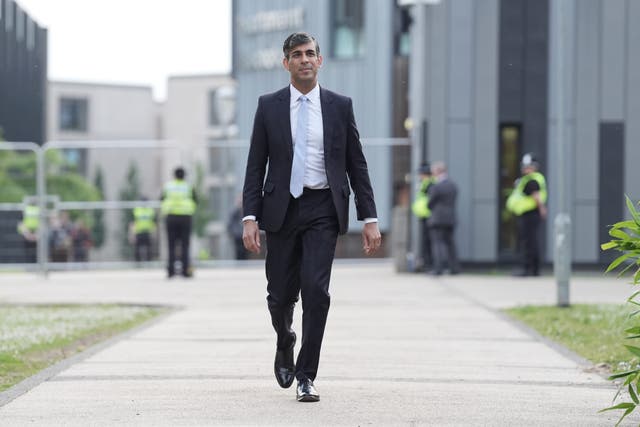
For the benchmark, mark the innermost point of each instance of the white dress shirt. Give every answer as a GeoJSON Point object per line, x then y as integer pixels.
{"type": "Point", "coordinates": [315, 173]}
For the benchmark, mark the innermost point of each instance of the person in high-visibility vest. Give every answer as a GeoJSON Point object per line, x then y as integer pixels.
{"type": "Point", "coordinates": [28, 228]}
{"type": "Point", "coordinates": [528, 202]}
{"type": "Point", "coordinates": [144, 225]}
{"type": "Point", "coordinates": [178, 205]}
{"type": "Point", "coordinates": [420, 208]}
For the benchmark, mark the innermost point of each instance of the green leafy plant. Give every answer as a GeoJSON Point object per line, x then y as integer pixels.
{"type": "Point", "coordinates": [203, 214]}
{"type": "Point", "coordinates": [626, 239]}
{"type": "Point", "coordinates": [18, 178]}
{"type": "Point", "coordinates": [99, 228]}
{"type": "Point", "coordinates": [129, 191]}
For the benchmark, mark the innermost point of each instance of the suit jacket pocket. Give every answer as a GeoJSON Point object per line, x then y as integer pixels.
{"type": "Point", "coordinates": [268, 187]}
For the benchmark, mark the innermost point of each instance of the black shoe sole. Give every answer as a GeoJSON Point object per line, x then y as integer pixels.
{"type": "Point", "coordinates": [308, 398]}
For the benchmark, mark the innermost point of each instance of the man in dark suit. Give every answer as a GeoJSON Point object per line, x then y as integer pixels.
{"type": "Point", "coordinates": [308, 137]}
{"type": "Point", "coordinates": [442, 203]}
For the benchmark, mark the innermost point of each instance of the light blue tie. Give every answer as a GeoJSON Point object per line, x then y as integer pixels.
{"type": "Point", "coordinates": [299, 150]}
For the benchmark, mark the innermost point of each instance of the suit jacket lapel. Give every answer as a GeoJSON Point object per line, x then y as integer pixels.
{"type": "Point", "coordinates": [328, 120]}
{"type": "Point", "coordinates": [284, 115]}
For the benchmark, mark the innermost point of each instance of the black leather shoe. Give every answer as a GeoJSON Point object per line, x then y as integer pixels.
{"type": "Point", "coordinates": [306, 392]}
{"type": "Point", "coordinates": [284, 367]}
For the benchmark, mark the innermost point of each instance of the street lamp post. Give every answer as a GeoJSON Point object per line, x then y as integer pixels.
{"type": "Point", "coordinates": [417, 102]}
{"type": "Point", "coordinates": [562, 222]}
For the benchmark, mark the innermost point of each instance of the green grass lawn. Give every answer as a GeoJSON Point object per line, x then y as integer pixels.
{"type": "Point", "coordinates": [595, 332]}
{"type": "Point", "coordinates": [33, 337]}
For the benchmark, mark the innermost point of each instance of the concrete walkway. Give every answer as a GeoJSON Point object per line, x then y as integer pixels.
{"type": "Point", "coordinates": [400, 349]}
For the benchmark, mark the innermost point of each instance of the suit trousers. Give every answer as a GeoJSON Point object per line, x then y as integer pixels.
{"type": "Point", "coordinates": [178, 232]}
{"type": "Point", "coordinates": [443, 248]}
{"type": "Point", "coordinates": [299, 260]}
{"type": "Point", "coordinates": [528, 225]}
{"type": "Point", "coordinates": [427, 257]}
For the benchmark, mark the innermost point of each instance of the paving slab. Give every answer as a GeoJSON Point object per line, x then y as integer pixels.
{"type": "Point", "coordinates": [399, 349]}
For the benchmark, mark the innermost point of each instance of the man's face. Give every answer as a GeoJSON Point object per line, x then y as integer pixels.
{"type": "Point", "coordinates": [303, 63]}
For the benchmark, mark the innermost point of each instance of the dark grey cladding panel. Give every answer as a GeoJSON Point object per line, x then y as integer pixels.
{"type": "Point", "coordinates": [524, 65]}
{"type": "Point", "coordinates": [611, 181]}
{"type": "Point", "coordinates": [23, 78]}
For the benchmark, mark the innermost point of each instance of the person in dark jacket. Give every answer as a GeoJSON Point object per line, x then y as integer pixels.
{"type": "Point", "coordinates": [442, 222]}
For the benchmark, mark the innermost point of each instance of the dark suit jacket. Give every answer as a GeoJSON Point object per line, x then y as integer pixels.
{"type": "Point", "coordinates": [442, 203]}
{"type": "Point", "coordinates": [271, 143]}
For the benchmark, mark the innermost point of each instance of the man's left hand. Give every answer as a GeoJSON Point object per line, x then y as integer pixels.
{"type": "Point", "coordinates": [371, 238]}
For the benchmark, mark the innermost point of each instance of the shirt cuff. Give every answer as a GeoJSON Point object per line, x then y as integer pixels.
{"type": "Point", "coordinates": [249, 217]}
{"type": "Point", "coordinates": [369, 220]}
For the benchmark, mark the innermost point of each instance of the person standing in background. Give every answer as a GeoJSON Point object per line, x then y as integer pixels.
{"type": "Point", "coordinates": [144, 225]}
{"type": "Point", "coordinates": [442, 222]}
{"type": "Point", "coordinates": [28, 229]}
{"type": "Point", "coordinates": [420, 208]}
{"type": "Point", "coordinates": [178, 205]}
{"type": "Point", "coordinates": [527, 202]}
{"type": "Point", "coordinates": [80, 241]}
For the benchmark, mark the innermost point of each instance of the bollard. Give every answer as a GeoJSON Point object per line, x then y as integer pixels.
{"type": "Point", "coordinates": [562, 257]}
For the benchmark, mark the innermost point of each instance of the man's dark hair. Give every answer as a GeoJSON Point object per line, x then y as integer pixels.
{"type": "Point", "coordinates": [297, 39]}
{"type": "Point", "coordinates": [179, 173]}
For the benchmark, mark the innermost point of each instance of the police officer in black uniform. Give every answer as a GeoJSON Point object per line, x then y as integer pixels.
{"type": "Point", "coordinates": [178, 205]}
{"type": "Point", "coordinates": [527, 202]}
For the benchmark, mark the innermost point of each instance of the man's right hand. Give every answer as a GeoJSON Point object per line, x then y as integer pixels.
{"type": "Point", "coordinates": [251, 236]}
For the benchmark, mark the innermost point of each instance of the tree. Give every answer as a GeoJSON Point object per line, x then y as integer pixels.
{"type": "Point", "coordinates": [130, 191]}
{"type": "Point", "coordinates": [203, 212]}
{"type": "Point", "coordinates": [99, 228]}
{"type": "Point", "coordinates": [18, 179]}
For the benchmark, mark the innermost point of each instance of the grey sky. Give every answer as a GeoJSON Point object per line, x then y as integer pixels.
{"type": "Point", "coordinates": [134, 41]}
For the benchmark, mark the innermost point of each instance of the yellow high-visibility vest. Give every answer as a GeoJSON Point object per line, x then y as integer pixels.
{"type": "Point", "coordinates": [420, 205]}
{"type": "Point", "coordinates": [518, 202]}
{"type": "Point", "coordinates": [178, 198]}
{"type": "Point", "coordinates": [30, 219]}
{"type": "Point", "coordinates": [144, 220]}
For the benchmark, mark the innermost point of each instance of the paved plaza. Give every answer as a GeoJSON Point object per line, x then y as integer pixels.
{"type": "Point", "coordinates": [399, 349]}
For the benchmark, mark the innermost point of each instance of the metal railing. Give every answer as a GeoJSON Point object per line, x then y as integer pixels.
{"type": "Point", "coordinates": [223, 162]}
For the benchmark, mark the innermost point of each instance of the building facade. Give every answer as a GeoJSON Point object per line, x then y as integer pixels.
{"type": "Point", "coordinates": [110, 129]}
{"type": "Point", "coordinates": [360, 61]}
{"type": "Point", "coordinates": [23, 75]}
{"type": "Point", "coordinates": [114, 128]}
{"type": "Point", "coordinates": [493, 91]}
{"type": "Point", "coordinates": [482, 91]}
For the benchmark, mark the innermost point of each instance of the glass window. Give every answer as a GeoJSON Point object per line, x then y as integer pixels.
{"type": "Point", "coordinates": [31, 34]}
{"type": "Point", "coordinates": [402, 36]}
{"type": "Point", "coordinates": [348, 28]}
{"type": "Point", "coordinates": [222, 106]}
{"type": "Point", "coordinates": [19, 24]}
{"type": "Point", "coordinates": [213, 116]}
{"type": "Point", "coordinates": [73, 114]}
{"type": "Point", "coordinates": [8, 12]}
{"type": "Point", "coordinates": [510, 143]}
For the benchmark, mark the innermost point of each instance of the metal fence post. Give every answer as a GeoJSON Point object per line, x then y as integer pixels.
{"type": "Point", "coordinates": [43, 229]}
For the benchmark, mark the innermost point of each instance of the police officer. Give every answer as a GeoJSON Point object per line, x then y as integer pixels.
{"type": "Point", "coordinates": [528, 202]}
{"type": "Point", "coordinates": [420, 209]}
{"type": "Point", "coordinates": [144, 225]}
{"type": "Point", "coordinates": [178, 205]}
{"type": "Point", "coordinates": [28, 228]}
